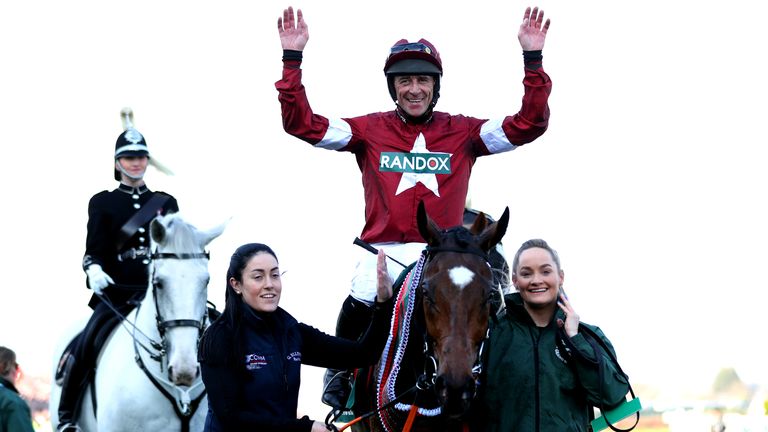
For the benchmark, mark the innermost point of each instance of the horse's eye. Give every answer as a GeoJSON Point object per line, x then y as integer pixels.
{"type": "Point", "coordinates": [429, 301]}
{"type": "Point", "coordinates": [158, 284]}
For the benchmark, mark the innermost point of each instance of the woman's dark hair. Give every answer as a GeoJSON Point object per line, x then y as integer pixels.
{"type": "Point", "coordinates": [7, 360]}
{"type": "Point", "coordinates": [219, 342]}
{"type": "Point", "coordinates": [535, 243]}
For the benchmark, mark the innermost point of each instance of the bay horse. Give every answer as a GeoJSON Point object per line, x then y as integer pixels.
{"type": "Point", "coordinates": [427, 376]}
{"type": "Point", "coordinates": [147, 375]}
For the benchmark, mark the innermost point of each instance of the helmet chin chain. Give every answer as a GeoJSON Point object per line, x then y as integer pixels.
{"type": "Point", "coordinates": [132, 177]}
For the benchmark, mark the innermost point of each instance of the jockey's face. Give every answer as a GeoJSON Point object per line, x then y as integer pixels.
{"type": "Point", "coordinates": [261, 284]}
{"type": "Point", "coordinates": [537, 278]}
{"type": "Point", "coordinates": [414, 93]}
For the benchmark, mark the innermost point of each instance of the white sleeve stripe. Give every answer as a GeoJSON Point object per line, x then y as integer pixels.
{"type": "Point", "coordinates": [337, 136]}
{"type": "Point", "coordinates": [494, 138]}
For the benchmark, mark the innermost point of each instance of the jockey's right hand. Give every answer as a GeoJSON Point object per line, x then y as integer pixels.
{"type": "Point", "coordinates": [384, 284]}
{"type": "Point", "coordinates": [97, 278]}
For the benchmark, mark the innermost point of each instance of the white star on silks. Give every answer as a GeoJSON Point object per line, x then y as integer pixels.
{"type": "Point", "coordinates": [409, 180]}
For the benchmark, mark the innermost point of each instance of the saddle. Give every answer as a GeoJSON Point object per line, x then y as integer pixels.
{"type": "Point", "coordinates": [66, 362]}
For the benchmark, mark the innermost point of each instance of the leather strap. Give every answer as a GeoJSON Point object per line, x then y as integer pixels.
{"type": "Point", "coordinates": [144, 215]}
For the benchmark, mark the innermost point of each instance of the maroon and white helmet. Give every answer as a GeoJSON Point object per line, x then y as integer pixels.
{"type": "Point", "coordinates": [413, 58]}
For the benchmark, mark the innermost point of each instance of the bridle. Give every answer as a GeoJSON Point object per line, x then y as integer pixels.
{"type": "Point", "coordinates": [426, 381]}
{"type": "Point", "coordinates": [431, 362]}
{"type": "Point", "coordinates": [163, 325]}
{"type": "Point", "coordinates": [185, 401]}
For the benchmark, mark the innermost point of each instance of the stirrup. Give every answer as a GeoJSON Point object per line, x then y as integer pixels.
{"type": "Point", "coordinates": [69, 427]}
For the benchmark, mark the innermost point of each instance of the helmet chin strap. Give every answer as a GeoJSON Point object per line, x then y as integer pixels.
{"type": "Point", "coordinates": [405, 117]}
{"type": "Point", "coordinates": [125, 173]}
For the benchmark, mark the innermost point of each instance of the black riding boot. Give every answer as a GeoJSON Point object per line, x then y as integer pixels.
{"type": "Point", "coordinates": [72, 379]}
{"type": "Point", "coordinates": [354, 318]}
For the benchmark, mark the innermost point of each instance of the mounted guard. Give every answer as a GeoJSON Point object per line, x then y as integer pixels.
{"type": "Point", "coordinates": [115, 262]}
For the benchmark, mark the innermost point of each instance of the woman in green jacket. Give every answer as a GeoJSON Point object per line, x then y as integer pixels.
{"type": "Point", "coordinates": [14, 411]}
{"type": "Point", "coordinates": [541, 368]}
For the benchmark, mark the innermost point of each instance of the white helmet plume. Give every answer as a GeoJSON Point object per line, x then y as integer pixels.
{"type": "Point", "coordinates": [126, 115]}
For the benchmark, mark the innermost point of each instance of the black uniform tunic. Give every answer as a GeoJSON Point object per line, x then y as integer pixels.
{"type": "Point", "coordinates": [108, 211]}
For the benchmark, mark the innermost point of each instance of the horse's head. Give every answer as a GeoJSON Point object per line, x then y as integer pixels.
{"type": "Point", "coordinates": [457, 289]}
{"type": "Point", "coordinates": [179, 287]}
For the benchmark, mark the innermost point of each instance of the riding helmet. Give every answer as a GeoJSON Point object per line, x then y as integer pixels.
{"type": "Point", "coordinates": [413, 58]}
{"type": "Point", "coordinates": [132, 143]}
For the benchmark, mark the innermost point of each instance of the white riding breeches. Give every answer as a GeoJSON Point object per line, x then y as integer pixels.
{"type": "Point", "coordinates": [364, 278]}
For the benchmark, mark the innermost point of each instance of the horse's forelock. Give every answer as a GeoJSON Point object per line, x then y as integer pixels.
{"type": "Point", "coordinates": [181, 236]}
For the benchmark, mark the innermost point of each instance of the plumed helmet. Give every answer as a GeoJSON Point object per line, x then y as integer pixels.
{"type": "Point", "coordinates": [132, 143]}
{"type": "Point", "coordinates": [413, 58]}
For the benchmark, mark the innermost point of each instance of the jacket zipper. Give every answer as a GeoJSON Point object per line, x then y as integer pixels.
{"type": "Point", "coordinates": [537, 398]}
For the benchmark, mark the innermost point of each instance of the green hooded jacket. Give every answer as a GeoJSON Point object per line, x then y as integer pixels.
{"type": "Point", "coordinates": [14, 412]}
{"type": "Point", "coordinates": [532, 383]}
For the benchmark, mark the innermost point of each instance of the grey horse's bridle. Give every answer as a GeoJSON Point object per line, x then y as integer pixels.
{"type": "Point", "coordinates": [183, 403]}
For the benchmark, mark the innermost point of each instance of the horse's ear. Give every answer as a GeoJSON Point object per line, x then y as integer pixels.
{"type": "Point", "coordinates": [209, 235]}
{"type": "Point", "coordinates": [157, 231]}
{"type": "Point", "coordinates": [481, 221]}
{"type": "Point", "coordinates": [493, 234]}
{"type": "Point", "coordinates": [427, 227]}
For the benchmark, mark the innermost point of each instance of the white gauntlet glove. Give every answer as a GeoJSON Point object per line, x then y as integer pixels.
{"type": "Point", "coordinates": [97, 279]}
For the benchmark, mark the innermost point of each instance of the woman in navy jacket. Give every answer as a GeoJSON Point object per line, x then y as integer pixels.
{"type": "Point", "coordinates": [251, 356]}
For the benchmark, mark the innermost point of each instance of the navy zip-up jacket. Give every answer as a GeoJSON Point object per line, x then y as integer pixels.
{"type": "Point", "coordinates": [260, 392]}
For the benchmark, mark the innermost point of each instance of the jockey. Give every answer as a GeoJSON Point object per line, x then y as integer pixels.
{"type": "Point", "coordinates": [115, 263]}
{"type": "Point", "coordinates": [410, 154]}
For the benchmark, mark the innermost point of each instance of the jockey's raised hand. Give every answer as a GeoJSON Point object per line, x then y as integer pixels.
{"type": "Point", "coordinates": [384, 288]}
{"type": "Point", "coordinates": [98, 279]}
{"type": "Point", "coordinates": [533, 30]}
{"type": "Point", "coordinates": [294, 33]}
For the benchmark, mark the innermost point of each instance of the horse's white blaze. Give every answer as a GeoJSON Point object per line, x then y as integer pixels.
{"type": "Point", "coordinates": [461, 276]}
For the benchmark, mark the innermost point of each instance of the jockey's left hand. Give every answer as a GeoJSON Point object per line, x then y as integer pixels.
{"type": "Point", "coordinates": [384, 285]}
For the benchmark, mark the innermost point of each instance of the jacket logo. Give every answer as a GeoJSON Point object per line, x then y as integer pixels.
{"type": "Point", "coordinates": [560, 356]}
{"type": "Point", "coordinates": [255, 361]}
{"type": "Point", "coordinates": [417, 166]}
{"type": "Point", "coordinates": [419, 163]}
{"type": "Point", "coordinates": [294, 356]}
